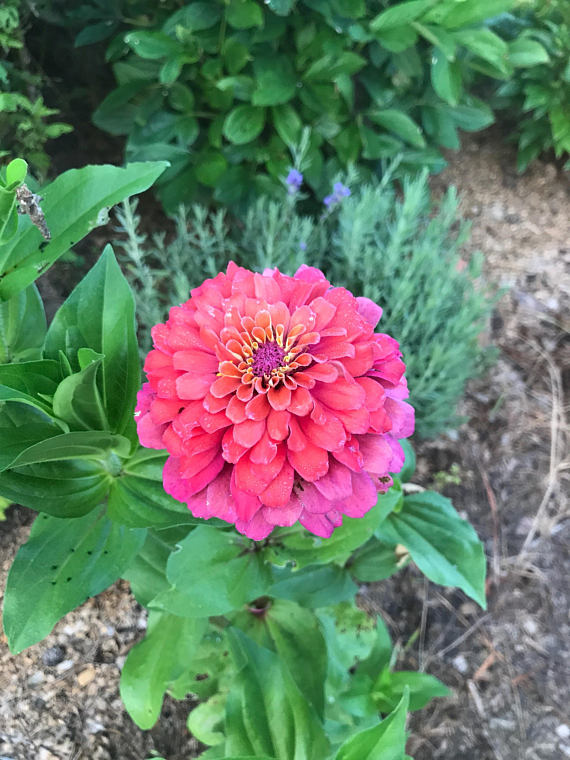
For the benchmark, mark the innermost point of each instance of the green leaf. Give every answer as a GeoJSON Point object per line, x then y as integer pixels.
{"type": "Point", "coordinates": [444, 547]}
{"type": "Point", "coordinates": [524, 52]}
{"type": "Point", "coordinates": [298, 640]}
{"type": "Point", "coordinates": [376, 145]}
{"type": "Point", "coordinates": [117, 113]}
{"type": "Point", "coordinates": [153, 45]}
{"type": "Point", "coordinates": [281, 7]}
{"type": "Point", "coordinates": [400, 15]}
{"type": "Point", "coordinates": [276, 81]}
{"type": "Point", "coordinates": [85, 194]}
{"type": "Point", "coordinates": [85, 444]}
{"type": "Point", "coordinates": [374, 562]}
{"type": "Point", "coordinates": [63, 563]}
{"type": "Point", "coordinates": [386, 741]}
{"type": "Point", "coordinates": [68, 488]}
{"type": "Point", "coordinates": [243, 124]}
{"type": "Point", "coordinates": [487, 45]}
{"type": "Point", "coordinates": [400, 124]}
{"type": "Point", "coordinates": [390, 687]}
{"type": "Point", "coordinates": [205, 722]}
{"type": "Point", "coordinates": [235, 55]}
{"type": "Point", "coordinates": [95, 33]}
{"type": "Point", "coordinates": [155, 662]}
{"type": "Point", "coordinates": [210, 165]}
{"type": "Point", "coordinates": [331, 66]}
{"type": "Point", "coordinates": [16, 173]}
{"type": "Point", "coordinates": [147, 572]}
{"type": "Point", "coordinates": [472, 115]}
{"type": "Point", "coordinates": [8, 214]}
{"type": "Point", "coordinates": [212, 573]}
{"type": "Point", "coordinates": [22, 426]}
{"type": "Point", "coordinates": [22, 326]}
{"type": "Point", "coordinates": [194, 17]}
{"type": "Point", "coordinates": [314, 586]}
{"type": "Point", "coordinates": [243, 14]}
{"type": "Point", "coordinates": [30, 382]}
{"type": "Point", "coordinates": [287, 124]}
{"type": "Point", "coordinates": [77, 400]}
{"type": "Point", "coordinates": [455, 15]}
{"type": "Point", "coordinates": [446, 78]}
{"type": "Point", "coordinates": [100, 314]}
{"type": "Point", "coordinates": [266, 714]}
{"type": "Point", "coordinates": [137, 497]}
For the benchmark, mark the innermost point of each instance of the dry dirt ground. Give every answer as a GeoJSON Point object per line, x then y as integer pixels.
{"type": "Point", "coordinates": [508, 667]}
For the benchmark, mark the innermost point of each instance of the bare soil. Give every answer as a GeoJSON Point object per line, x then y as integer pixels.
{"type": "Point", "coordinates": [508, 666]}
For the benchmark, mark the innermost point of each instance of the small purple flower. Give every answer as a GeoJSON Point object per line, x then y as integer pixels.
{"type": "Point", "coordinates": [294, 181]}
{"type": "Point", "coordinates": [303, 246]}
{"type": "Point", "coordinates": [340, 191]}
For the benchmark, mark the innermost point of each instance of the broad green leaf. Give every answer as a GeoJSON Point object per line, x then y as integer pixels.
{"type": "Point", "coordinates": [63, 563]}
{"type": "Point", "coordinates": [376, 145]}
{"type": "Point", "coordinates": [68, 488]}
{"type": "Point", "coordinates": [137, 497]}
{"type": "Point", "coordinates": [22, 426]}
{"type": "Point", "coordinates": [386, 741]}
{"type": "Point", "coordinates": [298, 640]}
{"type": "Point", "coordinates": [235, 55]}
{"type": "Point", "coordinates": [400, 15]}
{"type": "Point", "coordinates": [390, 686]}
{"type": "Point", "coordinates": [22, 326]}
{"type": "Point", "coordinates": [332, 66]}
{"type": "Point", "coordinates": [472, 115]}
{"type": "Point", "coordinates": [147, 572]}
{"type": "Point", "coordinates": [399, 39]}
{"type": "Point", "coordinates": [444, 547]}
{"type": "Point", "coordinates": [524, 52]}
{"type": "Point", "coordinates": [99, 314]}
{"type": "Point", "coordinates": [281, 7]}
{"type": "Point", "coordinates": [212, 573]}
{"type": "Point", "coordinates": [314, 586]}
{"type": "Point", "coordinates": [30, 382]}
{"type": "Point", "coordinates": [266, 714]}
{"type": "Point", "coordinates": [95, 33]}
{"type": "Point", "coordinates": [243, 14]}
{"type": "Point", "coordinates": [400, 124]}
{"type": "Point", "coordinates": [8, 214]}
{"type": "Point", "coordinates": [86, 195]}
{"type": "Point", "coordinates": [243, 124]}
{"type": "Point", "coordinates": [117, 113]}
{"type": "Point", "coordinates": [210, 165]}
{"type": "Point", "coordinates": [85, 444]}
{"type": "Point", "coordinates": [155, 662]}
{"type": "Point", "coordinates": [206, 721]}
{"type": "Point", "coordinates": [374, 561]}
{"type": "Point", "coordinates": [275, 80]}
{"type": "Point", "coordinates": [446, 78]}
{"type": "Point", "coordinates": [487, 45]}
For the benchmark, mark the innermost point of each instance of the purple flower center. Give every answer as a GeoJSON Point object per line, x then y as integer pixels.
{"type": "Point", "coordinates": [267, 357]}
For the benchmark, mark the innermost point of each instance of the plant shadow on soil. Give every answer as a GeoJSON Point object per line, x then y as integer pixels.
{"type": "Point", "coordinates": [508, 667]}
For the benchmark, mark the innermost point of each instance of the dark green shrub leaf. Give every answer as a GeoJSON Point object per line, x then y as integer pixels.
{"type": "Point", "coordinates": [400, 15]}
{"type": "Point", "coordinates": [275, 81]}
{"type": "Point", "coordinates": [63, 563]}
{"type": "Point", "coordinates": [281, 7]}
{"type": "Point", "coordinates": [386, 741]}
{"type": "Point", "coordinates": [446, 78]}
{"type": "Point", "coordinates": [194, 17]}
{"type": "Point", "coordinates": [153, 45]}
{"type": "Point", "coordinates": [287, 124]}
{"type": "Point", "coordinates": [83, 444]}
{"type": "Point", "coordinates": [22, 326]}
{"type": "Point", "coordinates": [243, 124]}
{"type": "Point", "coordinates": [235, 55]}
{"type": "Point", "coordinates": [407, 471]}
{"type": "Point", "coordinates": [243, 14]}
{"type": "Point", "coordinates": [155, 662]}
{"type": "Point", "coordinates": [524, 52]}
{"type": "Point", "coordinates": [77, 400]}
{"type": "Point", "coordinates": [466, 13]}
{"type": "Point", "coordinates": [85, 193]}
{"type": "Point", "coordinates": [99, 314]}
{"type": "Point", "coordinates": [374, 561]}
{"type": "Point", "coordinates": [444, 547]}
{"type": "Point", "coordinates": [30, 382]}
{"type": "Point", "coordinates": [400, 124]}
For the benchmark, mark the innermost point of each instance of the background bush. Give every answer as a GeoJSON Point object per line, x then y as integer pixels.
{"type": "Point", "coordinates": [24, 118]}
{"type": "Point", "coordinates": [537, 98]}
{"type": "Point", "coordinates": [222, 89]}
{"type": "Point", "coordinates": [403, 254]}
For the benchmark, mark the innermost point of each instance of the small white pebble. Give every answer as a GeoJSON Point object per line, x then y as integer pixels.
{"type": "Point", "coordinates": [93, 726]}
{"type": "Point", "coordinates": [64, 666]}
{"type": "Point", "coordinates": [36, 678]}
{"type": "Point", "coordinates": [460, 663]}
{"type": "Point", "coordinates": [563, 731]}
{"type": "Point", "coordinates": [565, 749]}
{"type": "Point", "coordinates": [530, 626]}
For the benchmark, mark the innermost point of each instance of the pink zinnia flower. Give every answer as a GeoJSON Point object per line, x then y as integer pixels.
{"type": "Point", "coordinates": [276, 401]}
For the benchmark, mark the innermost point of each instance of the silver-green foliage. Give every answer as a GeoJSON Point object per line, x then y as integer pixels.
{"type": "Point", "coordinates": [401, 250]}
